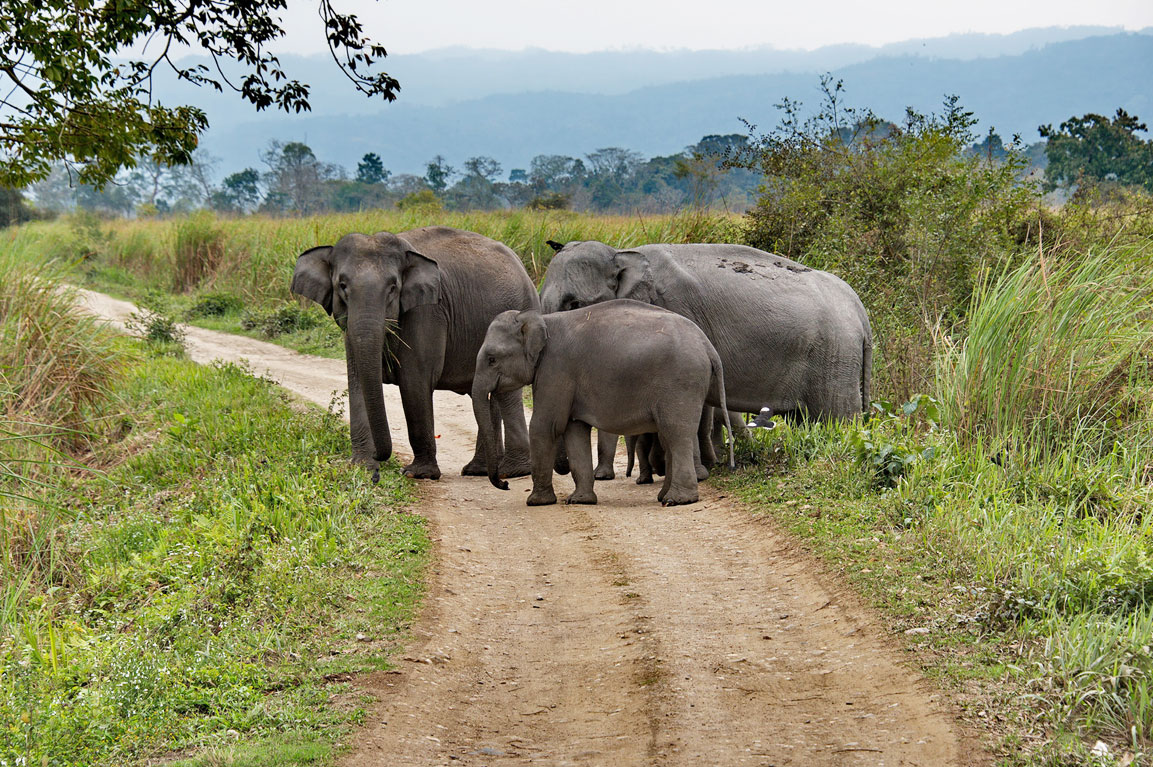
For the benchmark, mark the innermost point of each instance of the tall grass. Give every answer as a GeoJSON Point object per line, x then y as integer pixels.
{"type": "Point", "coordinates": [1055, 354]}
{"type": "Point", "coordinates": [253, 257]}
{"type": "Point", "coordinates": [57, 371]}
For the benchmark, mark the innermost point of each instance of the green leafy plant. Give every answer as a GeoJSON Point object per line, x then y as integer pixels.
{"type": "Point", "coordinates": [283, 319]}
{"type": "Point", "coordinates": [215, 303]}
{"type": "Point", "coordinates": [890, 444]}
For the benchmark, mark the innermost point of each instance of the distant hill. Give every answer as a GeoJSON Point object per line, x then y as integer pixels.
{"type": "Point", "coordinates": [659, 102]}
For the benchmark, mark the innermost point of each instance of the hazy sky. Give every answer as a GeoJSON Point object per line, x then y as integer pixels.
{"type": "Point", "coordinates": [409, 26]}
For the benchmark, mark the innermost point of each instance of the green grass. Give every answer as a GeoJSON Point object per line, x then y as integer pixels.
{"type": "Point", "coordinates": [206, 592]}
{"type": "Point", "coordinates": [251, 259]}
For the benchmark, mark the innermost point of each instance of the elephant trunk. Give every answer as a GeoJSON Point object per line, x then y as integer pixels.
{"type": "Point", "coordinates": [484, 409]}
{"type": "Point", "coordinates": [367, 336]}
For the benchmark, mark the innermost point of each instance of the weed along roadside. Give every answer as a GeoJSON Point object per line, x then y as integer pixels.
{"type": "Point", "coordinates": [191, 570]}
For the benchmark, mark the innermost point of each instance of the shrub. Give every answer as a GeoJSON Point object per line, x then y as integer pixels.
{"type": "Point", "coordinates": [284, 319]}
{"type": "Point", "coordinates": [424, 199]}
{"type": "Point", "coordinates": [549, 201]}
{"type": "Point", "coordinates": [898, 211]}
{"type": "Point", "coordinates": [889, 446]}
{"type": "Point", "coordinates": [215, 304]}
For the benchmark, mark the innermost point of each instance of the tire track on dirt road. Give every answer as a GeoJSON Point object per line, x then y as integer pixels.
{"type": "Point", "coordinates": [618, 634]}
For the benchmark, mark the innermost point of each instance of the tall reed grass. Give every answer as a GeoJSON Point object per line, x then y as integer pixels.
{"type": "Point", "coordinates": [57, 372]}
{"type": "Point", "coordinates": [1055, 354]}
{"type": "Point", "coordinates": [253, 257]}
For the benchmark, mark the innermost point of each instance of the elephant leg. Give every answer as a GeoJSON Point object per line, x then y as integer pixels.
{"type": "Point", "coordinates": [478, 467]}
{"type": "Point", "coordinates": [680, 485]}
{"type": "Point", "coordinates": [657, 456]}
{"type": "Point", "coordinates": [417, 403]}
{"type": "Point", "coordinates": [515, 462]}
{"type": "Point", "coordinates": [578, 442]}
{"type": "Point", "coordinates": [543, 438]}
{"type": "Point", "coordinates": [706, 455]}
{"type": "Point", "coordinates": [606, 454]}
{"type": "Point", "coordinates": [360, 432]}
{"type": "Point", "coordinates": [644, 447]}
{"type": "Point", "coordinates": [420, 361]}
{"type": "Point", "coordinates": [630, 452]}
{"type": "Point", "coordinates": [560, 464]}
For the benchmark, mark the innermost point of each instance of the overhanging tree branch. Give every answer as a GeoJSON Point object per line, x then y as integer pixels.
{"type": "Point", "coordinates": [100, 115]}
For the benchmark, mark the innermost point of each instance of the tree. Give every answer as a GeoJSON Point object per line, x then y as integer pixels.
{"type": "Point", "coordinates": [482, 167]}
{"type": "Point", "coordinates": [1095, 148]}
{"type": "Point", "coordinates": [239, 192]}
{"type": "Point", "coordinates": [63, 97]}
{"type": "Point", "coordinates": [370, 170]}
{"type": "Point", "coordinates": [548, 171]}
{"type": "Point", "coordinates": [13, 208]}
{"type": "Point", "coordinates": [438, 173]}
{"type": "Point", "coordinates": [296, 178]}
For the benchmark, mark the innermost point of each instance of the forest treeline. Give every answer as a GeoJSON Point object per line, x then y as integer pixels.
{"type": "Point", "coordinates": [719, 171]}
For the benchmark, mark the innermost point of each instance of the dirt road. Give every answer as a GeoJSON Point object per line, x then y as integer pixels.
{"type": "Point", "coordinates": [620, 634]}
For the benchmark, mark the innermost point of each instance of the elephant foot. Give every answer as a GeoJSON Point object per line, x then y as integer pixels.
{"type": "Point", "coordinates": [644, 479]}
{"type": "Point", "coordinates": [589, 498]}
{"type": "Point", "coordinates": [604, 472]}
{"type": "Point", "coordinates": [702, 474]}
{"type": "Point", "coordinates": [474, 468]}
{"type": "Point", "coordinates": [365, 460]}
{"type": "Point", "coordinates": [515, 465]}
{"type": "Point", "coordinates": [418, 470]}
{"type": "Point", "coordinates": [541, 498]}
{"type": "Point", "coordinates": [678, 498]}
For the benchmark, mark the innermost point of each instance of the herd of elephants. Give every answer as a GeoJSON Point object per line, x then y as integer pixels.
{"type": "Point", "coordinates": [658, 343]}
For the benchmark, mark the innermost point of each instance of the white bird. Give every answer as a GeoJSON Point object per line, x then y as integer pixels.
{"type": "Point", "coordinates": [763, 419]}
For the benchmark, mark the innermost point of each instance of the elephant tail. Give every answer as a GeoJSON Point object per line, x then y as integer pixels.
{"type": "Point", "coordinates": [717, 392]}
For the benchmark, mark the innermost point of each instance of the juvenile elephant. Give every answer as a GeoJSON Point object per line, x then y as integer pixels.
{"type": "Point", "coordinates": [621, 366]}
{"type": "Point", "coordinates": [414, 308]}
{"type": "Point", "coordinates": [791, 338]}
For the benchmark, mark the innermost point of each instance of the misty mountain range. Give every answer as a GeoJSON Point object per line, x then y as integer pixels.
{"type": "Point", "coordinates": [515, 105]}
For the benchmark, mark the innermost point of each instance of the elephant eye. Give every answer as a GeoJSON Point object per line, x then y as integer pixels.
{"type": "Point", "coordinates": [492, 360]}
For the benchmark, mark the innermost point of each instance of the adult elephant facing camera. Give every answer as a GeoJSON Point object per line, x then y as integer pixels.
{"type": "Point", "coordinates": [791, 338]}
{"type": "Point", "coordinates": [414, 308]}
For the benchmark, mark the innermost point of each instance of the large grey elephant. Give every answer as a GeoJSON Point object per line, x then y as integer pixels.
{"type": "Point", "coordinates": [791, 338]}
{"type": "Point", "coordinates": [621, 366]}
{"type": "Point", "coordinates": [415, 307]}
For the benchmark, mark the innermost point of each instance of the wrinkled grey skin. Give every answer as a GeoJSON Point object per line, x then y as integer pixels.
{"type": "Point", "coordinates": [414, 307]}
{"type": "Point", "coordinates": [793, 338]}
{"type": "Point", "coordinates": [576, 363]}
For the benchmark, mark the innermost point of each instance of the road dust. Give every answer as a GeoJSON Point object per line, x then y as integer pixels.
{"type": "Point", "coordinates": [619, 634]}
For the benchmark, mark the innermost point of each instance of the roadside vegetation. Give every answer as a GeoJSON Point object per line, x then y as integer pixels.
{"type": "Point", "coordinates": [996, 502]}
{"type": "Point", "coordinates": [233, 274]}
{"type": "Point", "coordinates": [190, 569]}
{"type": "Point", "coordinates": [994, 505]}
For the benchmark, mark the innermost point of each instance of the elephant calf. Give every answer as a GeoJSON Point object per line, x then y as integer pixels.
{"type": "Point", "coordinates": [621, 366]}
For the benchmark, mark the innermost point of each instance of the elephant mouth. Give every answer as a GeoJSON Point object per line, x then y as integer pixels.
{"type": "Point", "coordinates": [341, 321]}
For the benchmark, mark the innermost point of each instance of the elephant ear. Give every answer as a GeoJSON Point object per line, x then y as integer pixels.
{"type": "Point", "coordinates": [533, 333]}
{"type": "Point", "coordinates": [634, 276]}
{"type": "Point", "coordinates": [313, 276]}
{"type": "Point", "coordinates": [419, 282]}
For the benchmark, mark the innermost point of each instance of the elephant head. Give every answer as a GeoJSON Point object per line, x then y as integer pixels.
{"type": "Point", "coordinates": [585, 273]}
{"type": "Point", "coordinates": [366, 283]}
{"type": "Point", "coordinates": [506, 362]}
